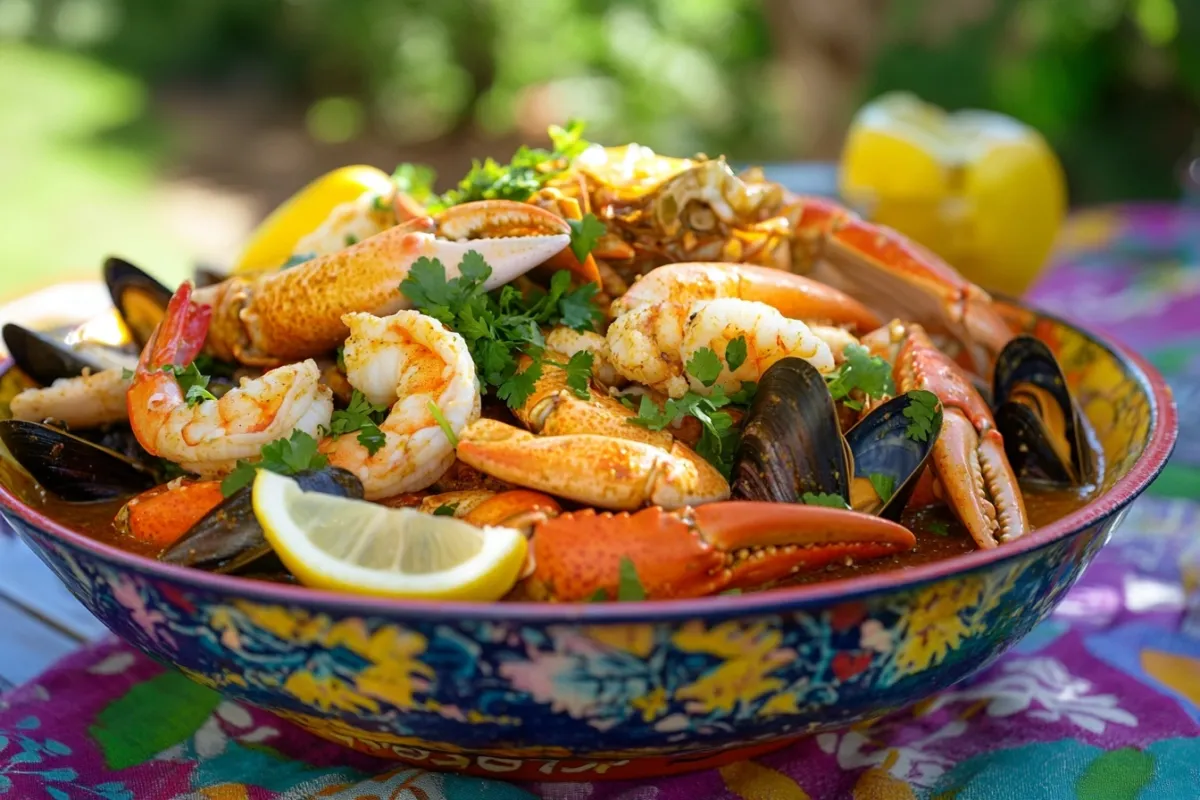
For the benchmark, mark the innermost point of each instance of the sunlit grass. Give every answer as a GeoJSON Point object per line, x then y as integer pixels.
{"type": "Point", "coordinates": [72, 192]}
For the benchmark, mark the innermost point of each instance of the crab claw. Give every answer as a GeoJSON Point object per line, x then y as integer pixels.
{"type": "Point", "coordinates": [968, 456]}
{"type": "Point", "coordinates": [897, 276]}
{"type": "Point", "coordinates": [287, 316]}
{"type": "Point", "coordinates": [601, 471]}
{"type": "Point", "coordinates": [698, 551]}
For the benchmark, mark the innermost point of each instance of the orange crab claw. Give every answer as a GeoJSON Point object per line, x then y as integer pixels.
{"type": "Point", "coordinates": [897, 276]}
{"type": "Point", "coordinates": [694, 552]}
{"type": "Point", "coordinates": [520, 509]}
{"type": "Point", "coordinates": [163, 514]}
{"type": "Point", "coordinates": [969, 458]}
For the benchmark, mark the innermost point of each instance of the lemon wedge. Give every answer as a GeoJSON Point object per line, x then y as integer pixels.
{"type": "Point", "coordinates": [354, 546]}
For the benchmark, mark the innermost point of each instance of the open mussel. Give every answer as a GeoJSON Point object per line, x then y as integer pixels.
{"type": "Point", "coordinates": [1044, 434]}
{"type": "Point", "coordinates": [229, 539]}
{"type": "Point", "coordinates": [888, 457]}
{"type": "Point", "coordinates": [792, 445]}
{"type": "Point", "coordinates": [45, 358]}
{"type": "Point", "coordinates": [139, 298]}
{"type": "Point", "coordinates": [791, 442]}
{"type": "Point", "coordinates": [73, 468]}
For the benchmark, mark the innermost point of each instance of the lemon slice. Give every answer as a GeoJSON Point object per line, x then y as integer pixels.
{"type": "Point", "coordinates": [338, 543]}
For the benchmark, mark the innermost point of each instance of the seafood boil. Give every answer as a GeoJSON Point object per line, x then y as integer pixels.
{"type": "Point", "coordinates": [593, 374]}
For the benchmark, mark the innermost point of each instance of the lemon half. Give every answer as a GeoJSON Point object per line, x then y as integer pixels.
{"type": "Point", "coordinates": [354, 546]}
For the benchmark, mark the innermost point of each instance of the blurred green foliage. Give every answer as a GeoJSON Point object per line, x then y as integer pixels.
{"type": "Point", "coordinates": [1114, 84]}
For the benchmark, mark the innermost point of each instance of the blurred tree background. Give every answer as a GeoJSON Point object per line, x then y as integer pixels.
{"type": "Point", "coordinates": [163, 130]}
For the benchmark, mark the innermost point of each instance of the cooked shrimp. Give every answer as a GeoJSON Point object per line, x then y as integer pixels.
{"type": "Point", "coordinates": [208, 437]}
{"type": "Point", "coordinates": [406, 361]}
{"type": "Point", "coordinates": [653, 343]}
{"type": "Point", "coordinates": [568, 342]}
{"type": "Point", "coordinates": [87, 401]}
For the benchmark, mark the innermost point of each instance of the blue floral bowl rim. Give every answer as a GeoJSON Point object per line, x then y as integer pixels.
{"type": "Point", "coordinates": [1163, 432]}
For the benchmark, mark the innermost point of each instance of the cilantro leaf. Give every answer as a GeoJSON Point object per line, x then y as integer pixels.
{"type": "Point", "coordinates": [744, 396]}
{"type": "Point", "coordinates": [884, 485]}
{"type": "Point", "coordinates": [474, 268]}
{"type": "Point", "coordinates": [863, 371]}
{"type": "Point", "coordinates": [923, 414]}
{"type": "Point", "coordinates": [578, 310]}
{"type": "Point", "coordinates": [652, 417]}
{"type": "Point", "coordinates": [126, 374]}
{"type": "Point", "coordinates": [284, 456]}
{"type": "Point", "coordinates": [735, 353]}
{"type": "Point", "coordinates": [242, 475]}
{"type": "Point", "coordinates": [823, 499]}
{"type": "Point", "coordinates": [350, 240]}
{"type": "Point", "coordinates": [629, 587]}
{"type": "Point", "coordinates": [599, 596]}
{"type": "Point", "coordinates": [440, 418]}
{"type": "Point", "coordinates": [363, 416]}
{"type": "Point", "coordinates": [192, 381]}
{"type": "Point", "coordinates": [584, 234]}
{"type": "Point", "coordinates": [415, 180]}
{"type": "Point", "coordinates": [568, 142]}
{"type": "Point", "coordinates": [579, 374]}
{"type": "Point", "coordinates": [704, 366]}
{"type": "Point", "coordinates": [446, 510]}
{"type": "Point", "coordinates": [341, 357]}
{"type": "Point", "coordinates": [938, 528]}
{"type": "Point", "coordinates": [515, 390]}
{"type": "Point", "coordinates": [719, 441]}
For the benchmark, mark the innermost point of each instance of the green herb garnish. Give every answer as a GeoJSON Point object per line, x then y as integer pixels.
{"type": "Point", "coordinates": [884, 485]}
{"type": "Point", "coordinates": [296, 259]}
{"type": "Point", "coordinates": [363, 416]}
{"type": "Point", "coordinates": [704, 366]}
{"type": "Point", "coordinates": [192, 381]}
{"type": "Point", "coordinates": [824, 499]}
{"type": "Point", "coordinates": [938, 528]}
{"type": "Point", "coordinates": [630, 586]}
{"type": "Point", "coordinates": [924, 415]}
{"type": "Point", "coordinates": [584, 234]}
{"type": "Point", "coordinates": [442, 423]}
{"type": "Point", "coordinates": [415, 180]}
{"type": "Point", "coordinates": [735, 353]}
{"type": "Point", "coordinates": [447, 510]}
{"type": "Point", "coordinates": [284, 456]}
{"type": "Point", "coordinates": [861, 370]}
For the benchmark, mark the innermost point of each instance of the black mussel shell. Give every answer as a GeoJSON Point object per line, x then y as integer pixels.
{"type": "Point", "coordinates": [44, 358]}
{"type": "Point", "coordinates": [882, 445]}
{"type": "Point", "coordinates": [71, 467]}
{"type": "Point", "coordinates": [1044, 435]}
{"type": "Point", "coordinates": [791, 441]}
{"type": "Point", "coordinates": [229, 539]}
{"type": "Point", "coordinates": [140, 299]}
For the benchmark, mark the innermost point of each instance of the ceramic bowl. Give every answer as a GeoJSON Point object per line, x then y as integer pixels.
{"type": "Point", "coordinates": [570, 692]}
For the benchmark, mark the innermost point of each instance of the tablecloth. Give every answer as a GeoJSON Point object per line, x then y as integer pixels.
{"type": "Point", "coordinates": [1100, 701]}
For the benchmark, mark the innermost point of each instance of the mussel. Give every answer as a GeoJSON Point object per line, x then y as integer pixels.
{"type": "Point", "coordinates": [206, 275]}
{"type": "Point", "coordinates": [888, 458]}
{"type": "Point", "coordinates": [229, 539]}
{"type": "Point", "coordinates": [71, 467]}
{"type": "Point", "coordinates": [45, 358]}
{"type": "Point", "coordinates": [140, 299]}
{"type": "Point", "coordinates": [791, 443]}
{"type": "Point", "coordinates": [792, 446]}
{"type": "Point", "coordinates": [1044, 434]}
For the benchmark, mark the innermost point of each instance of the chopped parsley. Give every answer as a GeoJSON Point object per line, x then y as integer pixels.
{"type": "Point", "coordinates": [523, 176]}
{"type": "Point", "coordinates": [584, 234]}
{"type": "Point", "coordinates": [720, 437]}
{"type": "Point", "coordinates": [502, 325]}
{"type": "Point", "coordinates": [629, 585]}
{"type": "Point", "coordinates": [447, 510]}
{"type": "Point", "coordinates": [284, 456]}
{"type": "Point", "coordinates": [924, 415]}
{"type": "Point", "coordinates": [870, 374]}
{"type": "Point", "coordinates": [735, 353]}
{"type": "Point", "coordinates": [884, 485]}
{"type": "Point", "coordinates": [938, 528]}
{"type": "Point", "coordinates": [192, 381]}
{"type": "Point", "coordinates": [127, 374]}
{"type": "Point", "coordinates": [415, 180]}
{"type": "Point", "coordinates": [824, 499]}
{"type": "Point", "coordinates": [363, 416]}
{"type": "Point", "coordinates": [351, 240]}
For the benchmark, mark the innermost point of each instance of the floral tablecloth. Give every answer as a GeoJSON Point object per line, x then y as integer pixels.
{"type": "Point", "coordinates": [1100, 701]}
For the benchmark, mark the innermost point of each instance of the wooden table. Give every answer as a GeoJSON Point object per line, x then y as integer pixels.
{"type": "Point", "coordinates": [40, 622]}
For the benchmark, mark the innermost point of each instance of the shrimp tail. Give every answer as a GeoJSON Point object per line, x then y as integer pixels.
{"type": "Point", "coordinates": [180, 336]}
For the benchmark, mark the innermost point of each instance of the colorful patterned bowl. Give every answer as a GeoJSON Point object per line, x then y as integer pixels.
{"type": "Point", "coordinates": [565, 692]}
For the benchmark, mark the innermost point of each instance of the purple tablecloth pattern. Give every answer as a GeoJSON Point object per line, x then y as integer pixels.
{"type": "Point", "coordinates": [1100, 701]}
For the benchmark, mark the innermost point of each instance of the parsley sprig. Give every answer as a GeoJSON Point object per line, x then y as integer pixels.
{"type": "Point", "coordinates": [861, 371]}
{"type": "Point", "coordinates": [502, 325]}
{"type": "Point", "coordinates": [924, 415]}
{"type": "Point", "coordinates": [363, 416]}
{"type": "Point", "coordinates": [629, 585]}
{"type": "Point", "coordinates": [284, 456]}
{"type": "Point", "coordinates": [719, 440]}
{"type": "Point", "coordinates": [823, 499]}
{"type": "Point", "coordinates": [192, 381]}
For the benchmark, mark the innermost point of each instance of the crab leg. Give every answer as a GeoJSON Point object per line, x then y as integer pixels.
{"type": "Point", "coordinates": [968, 456]}
{"type": "Point", "coordinates": [897, 277]}
{"type": "Point", "coordinates": [597, 470]}
{"type": "Point", "coordinates": [698, 551]}
{"type": "Point", "coordinates": [297, 313]}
